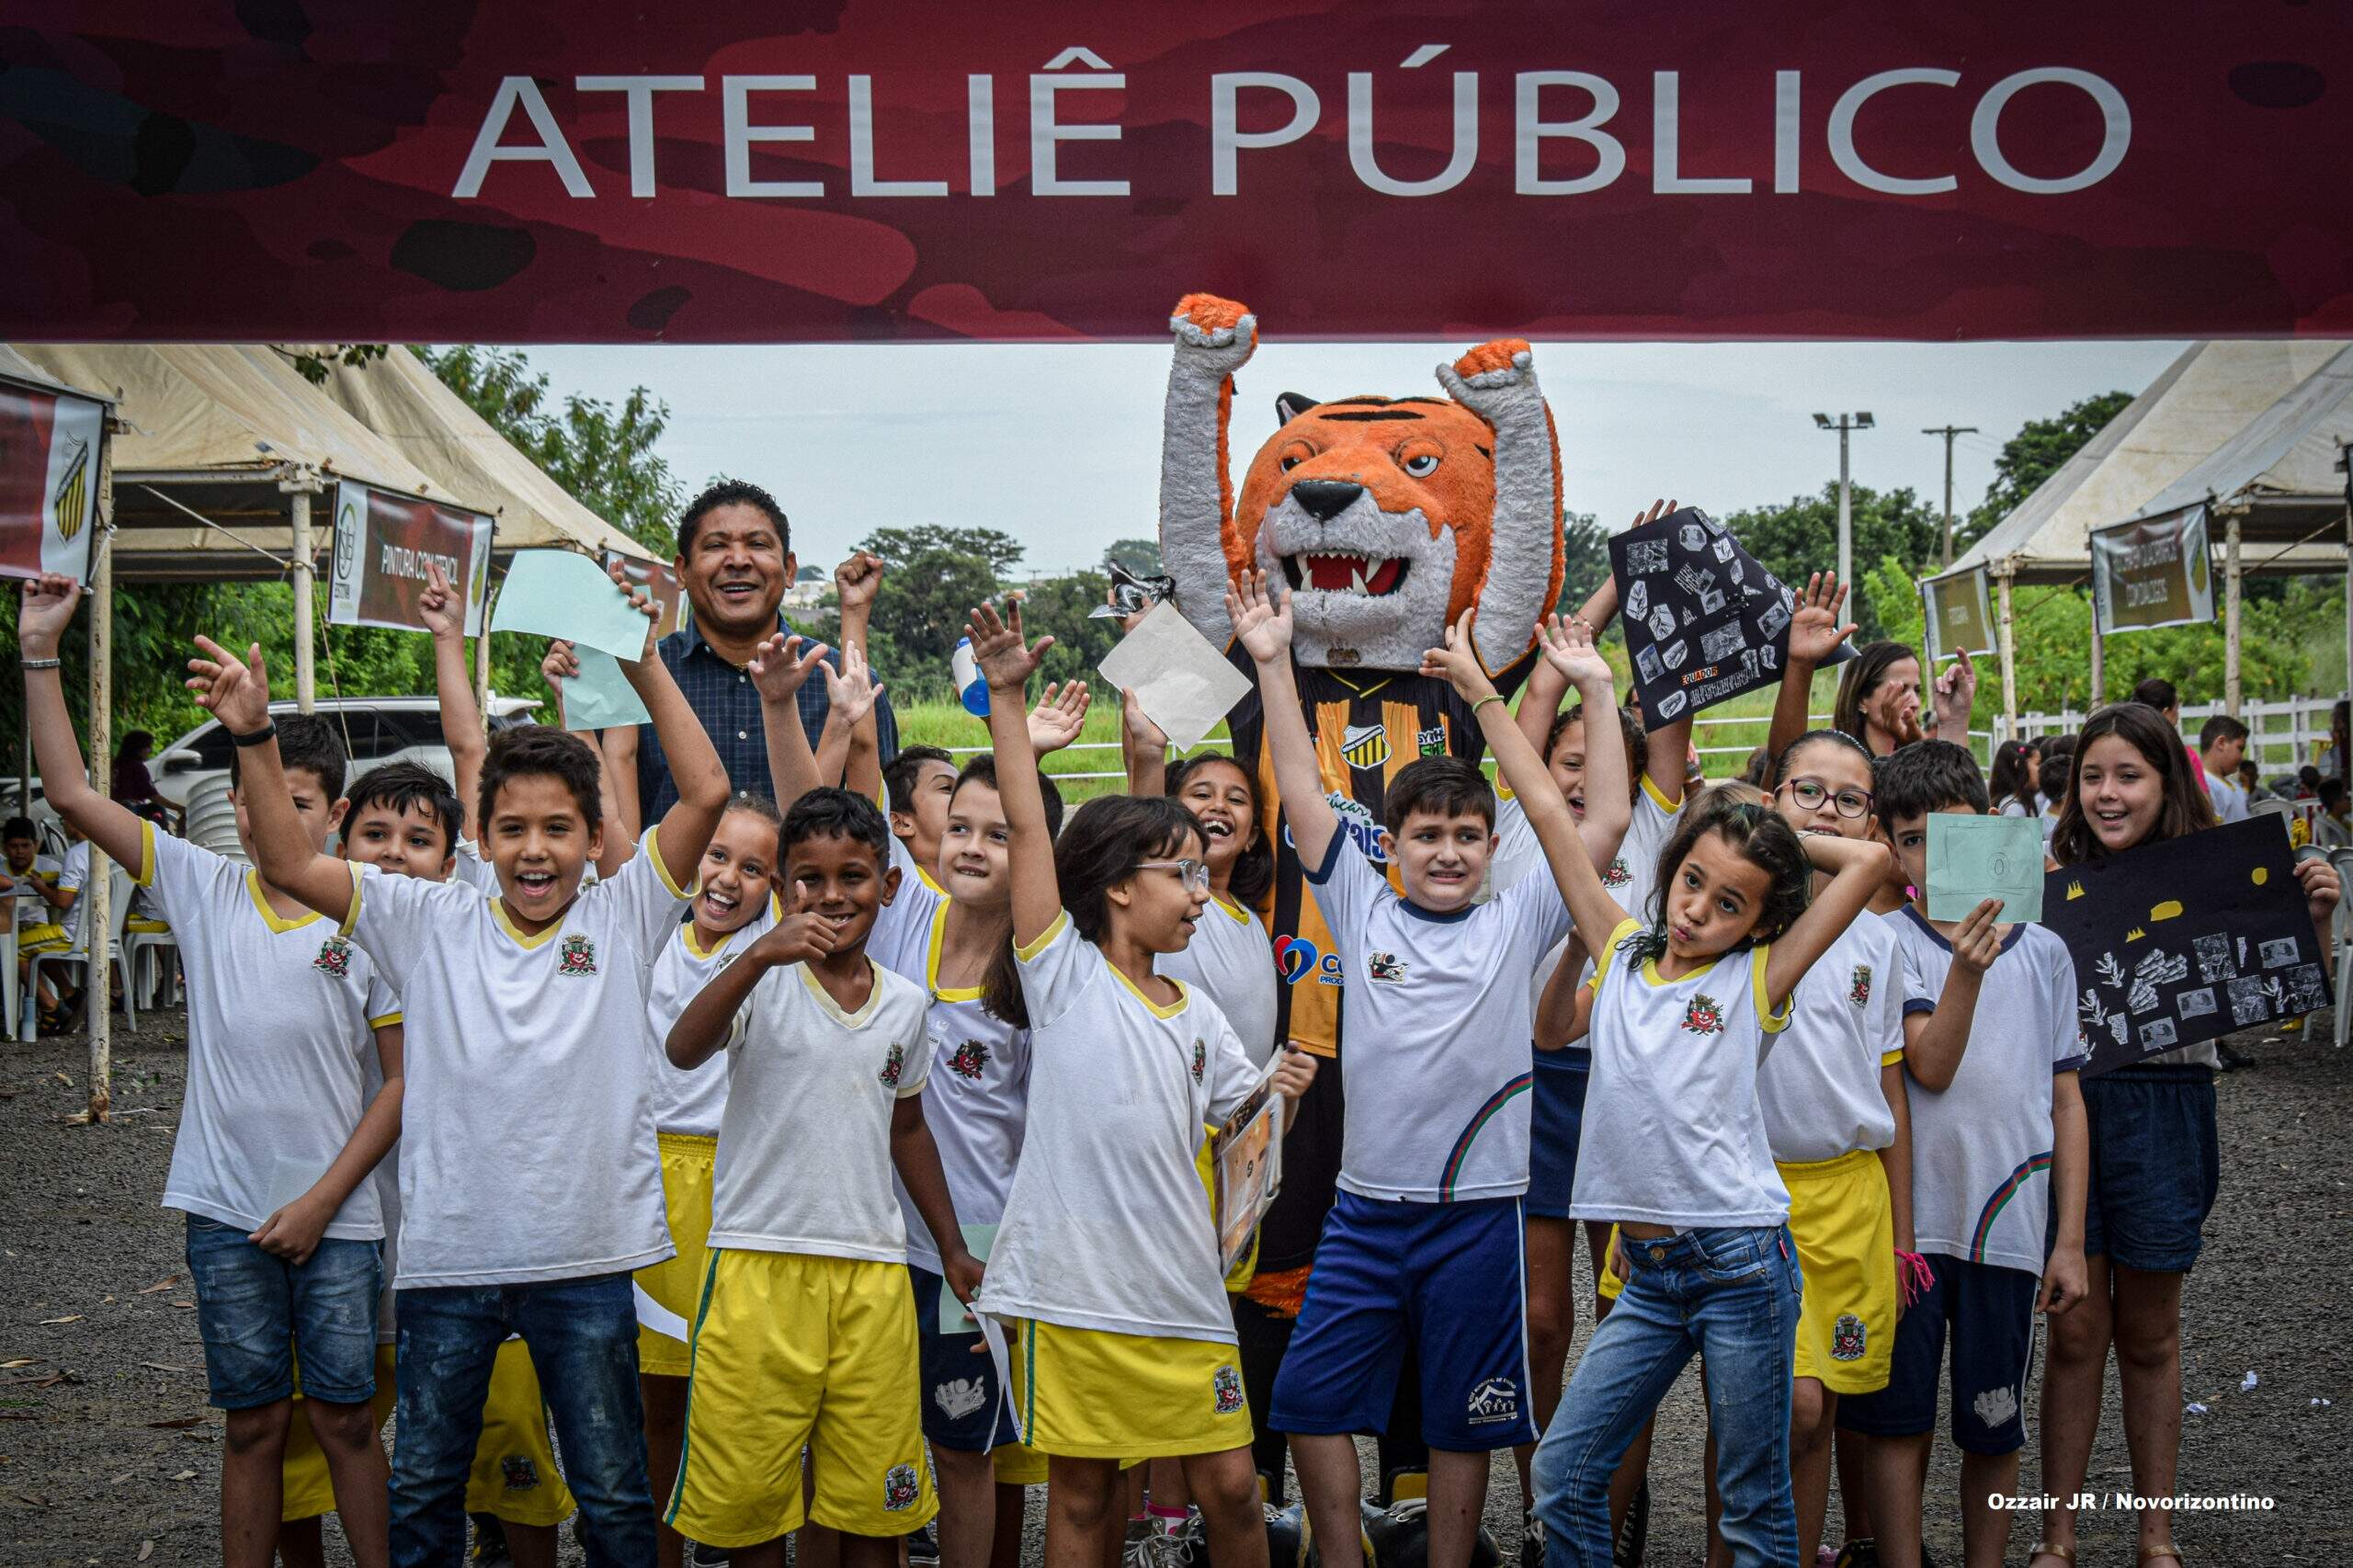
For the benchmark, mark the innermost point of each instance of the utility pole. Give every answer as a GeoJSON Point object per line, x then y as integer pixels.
{"type": "Point", "coordinates": [1948, 432]}
{"type": "Point", "coordinates": [1844, 424]}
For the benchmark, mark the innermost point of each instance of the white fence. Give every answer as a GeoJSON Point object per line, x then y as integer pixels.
{"type": "Point", "coordinates": [2283, 737]}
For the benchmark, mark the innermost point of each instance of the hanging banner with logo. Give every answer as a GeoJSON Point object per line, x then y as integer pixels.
{"type": "Point", "coordinates": [659, 581]}
{"type": "Point", "coordinates": [383, 542]}
{"type": "Point", "coordinates": [49, 445]}
{"type": "Point", "coordinates": [2157, 573]}
{"type": "Point", "coordinates": [1704, 620]}
{"type": "Point", "coordinates": [1958, 610]}
{"type": "Point", "coordinates": [854, 170]}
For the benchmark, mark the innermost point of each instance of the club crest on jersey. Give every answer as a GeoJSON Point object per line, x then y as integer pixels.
{"type": "Point", "coordinates": [1704, 1015]}
{"type": "Point", "coordinates": [1497, 1399]}
{"type": "Point", "coordinates": [518, 1472]}
{"type": "Point", "coordinates": [893, 1064]}
{"type": "Point", "coordinates": [335, 957]}
{"type": "Point", "coordinates": [1846, 1338]}
{"type": "Point", "coordinates": [968, 1059]}
{"type": "Point", "coordinates": [1616, 876]}
{"type": "Point", "coordinates": [1860, 991]}
{"type": "Point", "coordinates": [1228, 1384]}
{"type": "Point", "coordinates": [1365, 745]}
{"type": "Point", "coordinates": [1387, 967]}
{"type": "Point", "coordinates": [1201, 1059]}
{"type": "Point", "coordinates": [578, 956]}
{"type": "Point", "coordinates": [900, 1491]}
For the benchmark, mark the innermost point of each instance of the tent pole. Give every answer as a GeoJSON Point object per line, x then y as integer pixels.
{"type": "Point", "coordinates": [306, 679]}
{"type": "Point", "coordinates": [482, 671]}
{"type": "Point", "coordinates": [2009, 663]}
{"type": "Point", "coordinates": [98, 920]}
{"type": "Point", "coordinates": [2099, 659]}
{"type": "Point", "coordinates": [2231, 615]}
{"type": "Point", "coordinates": [2344, 460]}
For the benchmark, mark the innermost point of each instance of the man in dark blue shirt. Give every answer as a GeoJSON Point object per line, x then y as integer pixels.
{"type": "Point", "coordinates": [736, 559]}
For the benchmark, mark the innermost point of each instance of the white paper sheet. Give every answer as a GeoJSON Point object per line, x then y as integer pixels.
{"type": "Point", "coordinates": [1184, 684]}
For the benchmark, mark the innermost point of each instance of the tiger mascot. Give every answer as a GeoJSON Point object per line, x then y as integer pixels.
{"type": "Point", "coordinates": [1384, 518]}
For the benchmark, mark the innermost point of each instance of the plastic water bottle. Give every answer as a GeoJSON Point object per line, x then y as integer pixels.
{"type": "Point", "coordinates": [970, 686]}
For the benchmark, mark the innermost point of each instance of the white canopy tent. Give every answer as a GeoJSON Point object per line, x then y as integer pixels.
{"type": "Point", "coordinates": [2199, 406]}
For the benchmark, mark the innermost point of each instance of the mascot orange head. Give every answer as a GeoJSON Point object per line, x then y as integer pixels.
{"type": "Point", "coordinates": [1385, 518]}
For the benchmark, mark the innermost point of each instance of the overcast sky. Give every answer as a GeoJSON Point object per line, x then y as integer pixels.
{"type": "Point", "coordinates": [1059, 445]}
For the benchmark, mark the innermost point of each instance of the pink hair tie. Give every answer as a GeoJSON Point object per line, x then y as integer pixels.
{"type": "Point", "coordinates": [1913, 1276]}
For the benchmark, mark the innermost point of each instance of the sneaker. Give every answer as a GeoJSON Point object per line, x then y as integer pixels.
{"type": "Point", "coordinates": [703, 1556]}
{"type": "Point", "coordinates": [1824, 1557]}
{"type": "Point", "coordinates": [922, 1549]}
{"type": "Point", "coordinates": [1140, 1529]}
{"type": "Point", "coordinates": [1860, 1552]}
{"type": "Point", "coordinates": [1532, 1540]}
{"type": "Point", "coordinates": [1635, 1535]}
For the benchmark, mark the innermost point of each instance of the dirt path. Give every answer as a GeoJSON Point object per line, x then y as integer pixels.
{"type": "Point", "coordinates": [105, 1442]}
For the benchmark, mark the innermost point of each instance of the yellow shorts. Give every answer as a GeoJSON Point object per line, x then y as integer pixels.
{"type": "Point", "coordinates": [46, 937]}
{"type": "Point", "coordinates": [677, 1282]}
{"type": "Point", "coordinates": [145, 926]}
{"type": "Point", "coordinates": [1845, 1234]}
{"type": "Point", "coordinates": [514, 1475]}
{"type": "Point", "coordinates": [1609, 1282]}
{"type": "Point", "coordinates": [1017, 1464]}
{"type": "Point", "coordinates": [792, 1350]}
{"type": "Point", "coordinates": [1087, 1394]}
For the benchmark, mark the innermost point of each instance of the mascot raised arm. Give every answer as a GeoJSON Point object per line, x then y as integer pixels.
{"type": "Point", "coordinates": [1385, 518]}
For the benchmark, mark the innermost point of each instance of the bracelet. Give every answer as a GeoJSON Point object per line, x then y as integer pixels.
{"type": "Point", "coordinates": [1491, 697]}
{"type": "Point", "coordinates": [41, 664]}
{"type": "Point", "coordinates": [266, 732]}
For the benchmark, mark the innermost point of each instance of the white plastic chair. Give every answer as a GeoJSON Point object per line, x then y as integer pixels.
{"type": "Point", "coordinates": [2341, 927]}
{"type": "Point", "coordinates": [119, 889]}
{"type": "Point", "coordinates": [151, 970]}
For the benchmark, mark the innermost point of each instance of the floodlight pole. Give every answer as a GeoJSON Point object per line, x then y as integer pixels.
{"type": "Point", "coordinates": [1948, 432]}
{"type": "Point", "coordinates": [1845, 424]}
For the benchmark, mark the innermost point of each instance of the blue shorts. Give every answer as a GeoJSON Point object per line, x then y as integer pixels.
{"type": "Point", "coordinates": [964, 1407]}
{"type": "Point", "coordinates": [1989, 1312]}
{"type": "Point", "coordinates": [2156, 1164]}
{"type": "Point", "coordinates": [1446, 1279]}
{"type": "Point", "coordinates": [1555, 1115]}
{"type": "Point", "coordinates": [258, 1313]}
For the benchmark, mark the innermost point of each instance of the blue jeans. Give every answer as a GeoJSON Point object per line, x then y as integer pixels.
{"type": "Point", "coordinates": [583, 1338]}
{"type": "Point", "coordinates": [259, 1314]}
{"type": "Point", "coordinates": [1730, 1295]}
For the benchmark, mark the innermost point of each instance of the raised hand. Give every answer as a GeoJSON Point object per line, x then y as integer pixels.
{"type": "Point", "coordinates": [1059, 717]}
{"type": "Point", "coordinates": [858, 580]}
{"type": "Point", "coordinates": [440, 606]}
{"type": "Point", "coordinates": [562, 663]}
{"type": "Point", "coordinates": [1815, 631]}
{"type": "Point", "coordinates": [802, 937]}
{"type": "Point", "coordinates": [1977, 941]}
{"type": "Point", "coordinates": [1006, 656]}
{"type": "Point", "coordinates": [643, 602]}
{"type": "Point", "coordinates": [1140, 731]}
{"type": "Point", "coordinates": [851, 689]}
{"type": "Point", "coordinates": [234, 691]}
{"type": "Point", "coordinates": [44, 613]}
{"type": "Point", "coordinates": [1569, 648]}
{"type": "Point", "coordinates": [779, 665]}
{"type": "Point", "coordinates": [1458, 661]}
{"type": "Point", "coordinates": [1261, 624]}
{"type": "Point", "coordinates": [2321, 890]}
{"type": "Point", "coordinates": [1658, 509]}
{"type": "Point", "coordinates": [1956, 694]}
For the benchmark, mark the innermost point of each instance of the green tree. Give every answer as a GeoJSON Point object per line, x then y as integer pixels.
{"type": "Point", "coordinates": [1064, 605]}
{"type": "Point", "coordinates": [933, 577]}
{"type": "Point", "coordinates": [2040, 450]}
{"type": "Point", "coordinates": [1138, 557]}
{"type": "Point", "coordinates": [1800, 538]}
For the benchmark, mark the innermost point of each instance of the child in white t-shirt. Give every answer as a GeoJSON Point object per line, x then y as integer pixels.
{"type": "Point", "coordinates": [1106, 1260]}
{"type": "Point", "coordinates": [530, 1182]}
{"type": "Point", "coordinates": [1674, 1146]}
{"type": "Point", "coordinates": [278, 1132]}
{"type": "Point", "coordinates": [1998, 1173]}
{"type": "Point", "coordinates": [805, 1333]}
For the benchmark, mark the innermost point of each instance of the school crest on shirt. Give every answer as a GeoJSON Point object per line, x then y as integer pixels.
{"type": "Point", "coordinates": [577, 956]}
{"type": "Point", "coordinates": [1859, 991]}
{"type": "Point", "coordinates": [1704, 1015]}
{"type": "Point", "coordinates": [1846, 1338]}
{"type": "Point", "coordinates": [335, 957]}
{"type": "Point", "coordinates": [900, 1491]}
{"type": "Point", "coordinates": [1228, 1384]}
{"type": "Point", "coordinates": [968, 1059]}
{"type": "Point", "coordinates": [1616, 876]}
{"type": "Point", "coordinates": [1201, 1059]}
{"type": "Point", "coordinates": [1387, 967]}
{"type": "Point", "coordinates": [520, 1473]}
{"type": "Point", "coordinates": [893, 1064]}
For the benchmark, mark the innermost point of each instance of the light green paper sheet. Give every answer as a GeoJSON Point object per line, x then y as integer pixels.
{"type": "Point", "coordinates": [953, 1318]}
{"type": "Point", "coordinates": [600, 697]}
{"type": "Point", "coordinates": [553, 592]}
{"type": "Point", "coordinates": [1973, 859]}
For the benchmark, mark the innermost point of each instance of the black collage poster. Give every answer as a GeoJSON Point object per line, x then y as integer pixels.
{"type": "Point", "coordinates": [2186, 940]}
{"type": "Point", "coordinates": [1704, 620]}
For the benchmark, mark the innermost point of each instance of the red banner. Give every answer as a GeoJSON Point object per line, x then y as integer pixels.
{"type": "Point", "coordinates": [853, 169]}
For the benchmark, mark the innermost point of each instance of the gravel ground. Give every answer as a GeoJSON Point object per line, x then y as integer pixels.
{"type": "Point", "coordinates": [106, 1445]}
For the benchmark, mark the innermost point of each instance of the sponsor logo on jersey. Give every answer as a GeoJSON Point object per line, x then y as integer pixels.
{"type": "Point", "coordinates": [1228, 1384]}
{"type": "Point", "coordinates": [1704, 1015]}
{"type": "Point", "coordinates": [1296, 958]}
{"type": "Point", "coordinates": [1357, 821]}
{"type": "Point", "coordinates": [1497, 1399]}
{"type": "Point", "coordinates": [1365, 745]}
{"type": "Point", "coordinates": [335, 957]}
{"type": "Point", "coordinates": [578, 956]}
{"type": "Point", "coordinates": [1431, 741]}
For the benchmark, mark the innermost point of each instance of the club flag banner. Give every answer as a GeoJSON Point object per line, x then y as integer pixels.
{"type": "Point", "coordinates": [1704, 620]}
{"type": "Point", "coordinates": [383, 542]}
{"type": "Point", "coordinates": [2186, 940]}
{"type": "Point", "coordinates": [1959, 614]}
{"type": "Point", "coordinates": [2151, 573]}
{"type": "Point", "coordinates": [49, 445]}
{"type": "Point", "coordinates": [662, 584]}
{"type": "Point", "coordinates": [858, 170]}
